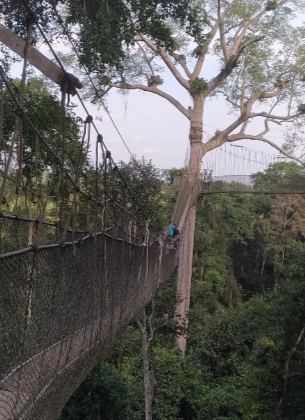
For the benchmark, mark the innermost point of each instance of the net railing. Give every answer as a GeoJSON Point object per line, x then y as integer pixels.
{"type": "Point", "coordinates": [258, 183]}
{"type": "Point", "coordinates": [17, 233]}
{"type": "Point", "coordinates": [62, 306]}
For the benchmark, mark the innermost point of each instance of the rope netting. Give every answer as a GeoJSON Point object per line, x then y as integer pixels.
{"type": "Point", "coordinates": [61, 308]}
{"type": "Point", "coordinates": [233, 168]}
{"type": "Point", "coordinates": [256, 184]}
{"type": "Point", "coordinates": [77, 256]}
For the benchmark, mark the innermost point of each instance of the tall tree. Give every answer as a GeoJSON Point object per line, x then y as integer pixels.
{"type": "Point", "coordinates": [260, 72]}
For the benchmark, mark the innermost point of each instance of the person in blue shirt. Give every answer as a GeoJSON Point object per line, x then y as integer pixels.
{"type": "Point", "coordinates": [170, 231]}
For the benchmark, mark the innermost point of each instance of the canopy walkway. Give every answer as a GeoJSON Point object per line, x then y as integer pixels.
{"type": "Point", "coordinates": [239, 170]}
{"type": "Point", "coordinates": [77, 258]}
{"type": "Point", "coordinates": [62, 306]}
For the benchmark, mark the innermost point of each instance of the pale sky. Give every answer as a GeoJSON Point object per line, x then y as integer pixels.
{"type": "Point", "coordinates": [154, 128]}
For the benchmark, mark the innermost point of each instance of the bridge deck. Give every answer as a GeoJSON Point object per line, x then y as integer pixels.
{"type": "Point", "coordinates": [61, 309]}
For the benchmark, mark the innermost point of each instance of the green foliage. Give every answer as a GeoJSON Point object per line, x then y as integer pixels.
{"type": "Point", "coordinates": [155, 80]}
{"type": "Point", "coordinates": [105, 28]}
{"type": "Point", "coordinates": [197, 86]}
{"type": "Point", "coordinates": [168, 375]}
{"type": "Point", "coordinates": [144, 193]}
{"type": "Point", "coordinates": [271, 5]}
{"type": "Point", "coordinates": [40, 168]}
{"type": "Point", "coordinates": [106, 394]}
{"type": "Point", "coordinates": [169, 174]}
{"type": "Point", "coordinates": [246, 318]}
{"type": "Point", "coordinates": [14, 14]}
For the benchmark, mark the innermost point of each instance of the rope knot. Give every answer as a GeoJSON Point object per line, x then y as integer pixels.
{"type": "Point", "coordinates": [70, 83]}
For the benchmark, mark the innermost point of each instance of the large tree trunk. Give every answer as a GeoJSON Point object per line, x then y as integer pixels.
{"type": "Point", "coordinates": [188, 221]}
{"type": "Point", "coordinates": [185, 275]}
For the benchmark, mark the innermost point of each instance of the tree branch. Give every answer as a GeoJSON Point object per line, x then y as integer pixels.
{"type": "Point", "coordinates": [182, 63]}
{"type": "Point", "coordinates": [268, 95]}
{"type": "Point", "coordinates": [244, 29]}
{"type": "Point", "coordinates": [154, 89]}
{"type": "Point", "coordinates": [205, 46]}
{"type": "Point", "coordinates": [168, 62]}
{"type": "Point", "coordinates": [146, 58]}
{"type": "Point", "coordinates": [223, 41]}
{"type": "Point", "coordinates": [222, 137]}
{"type": "Point", "coordinates": [151, 329]}
{"type": "Point", "coordinates": [140, 325]}
{"type": "Point", "coordinates": [243, 89]}
{"type": "Point", "coordinates": [275, 118]}
{"type": "Point", "coordinates": [287, 364]}
{"type": "Point", "coordinates": [231, 63]}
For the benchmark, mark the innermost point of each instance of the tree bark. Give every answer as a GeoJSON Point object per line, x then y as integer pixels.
{"type": "Point", "coordinates": [145, 341]}
{"type": "Point", "coordinates": [184, 277]}
{"type": "Point", "coordinates": [286, 372]}
{"type": "Point", "coordinates": [147, 382]}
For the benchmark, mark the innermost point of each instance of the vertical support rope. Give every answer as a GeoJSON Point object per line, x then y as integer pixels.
{"type": "Point", "coordinates": [63, 147]}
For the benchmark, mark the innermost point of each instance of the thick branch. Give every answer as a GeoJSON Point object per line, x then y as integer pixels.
{"type": "Point", "coordinates": [205, 47]}
{"type": "Point", "coordinates": [231, 63]}
{"type": "Point", "coordinates": [222, 137]}
{"type": "Point", "coordinates": [223, 41]}
{"type": "Point", "coordinates": [140, 325]}
{"type": "Point", "coordinates": [243, 89]}
{"type": "Point", "coordinates": [275, 118]}
{"type": "Point", "coordinates": [244, 29]}
{"type": "Point", "coordinates": [268, 95]}
{"type": "Point", "coordinates": [156, 91]}
{"type": "Point", "coordinates": [182, 63]}
{"type": "Point", "coordinates": [166, 58]}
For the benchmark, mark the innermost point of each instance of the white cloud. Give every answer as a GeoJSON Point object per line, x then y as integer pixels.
{"type": "Point", "coordinates": [115, 139]}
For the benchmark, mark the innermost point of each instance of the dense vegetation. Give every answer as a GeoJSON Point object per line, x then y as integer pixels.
{"type": "Point", "coordinates": [245, 354]}
{"type": "Point", "coordinates": [245, 351]}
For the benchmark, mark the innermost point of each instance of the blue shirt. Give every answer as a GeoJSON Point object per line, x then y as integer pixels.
{"type": "Point", "coordinates": [171, 230]}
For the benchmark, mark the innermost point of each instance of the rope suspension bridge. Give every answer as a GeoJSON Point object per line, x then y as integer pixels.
{"type": "Point", "coordinates": [77, 255]}
{"type": "Point", "coordinates": [241, 170]}
{"type": "Point", "coordinates": [77, 258]}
